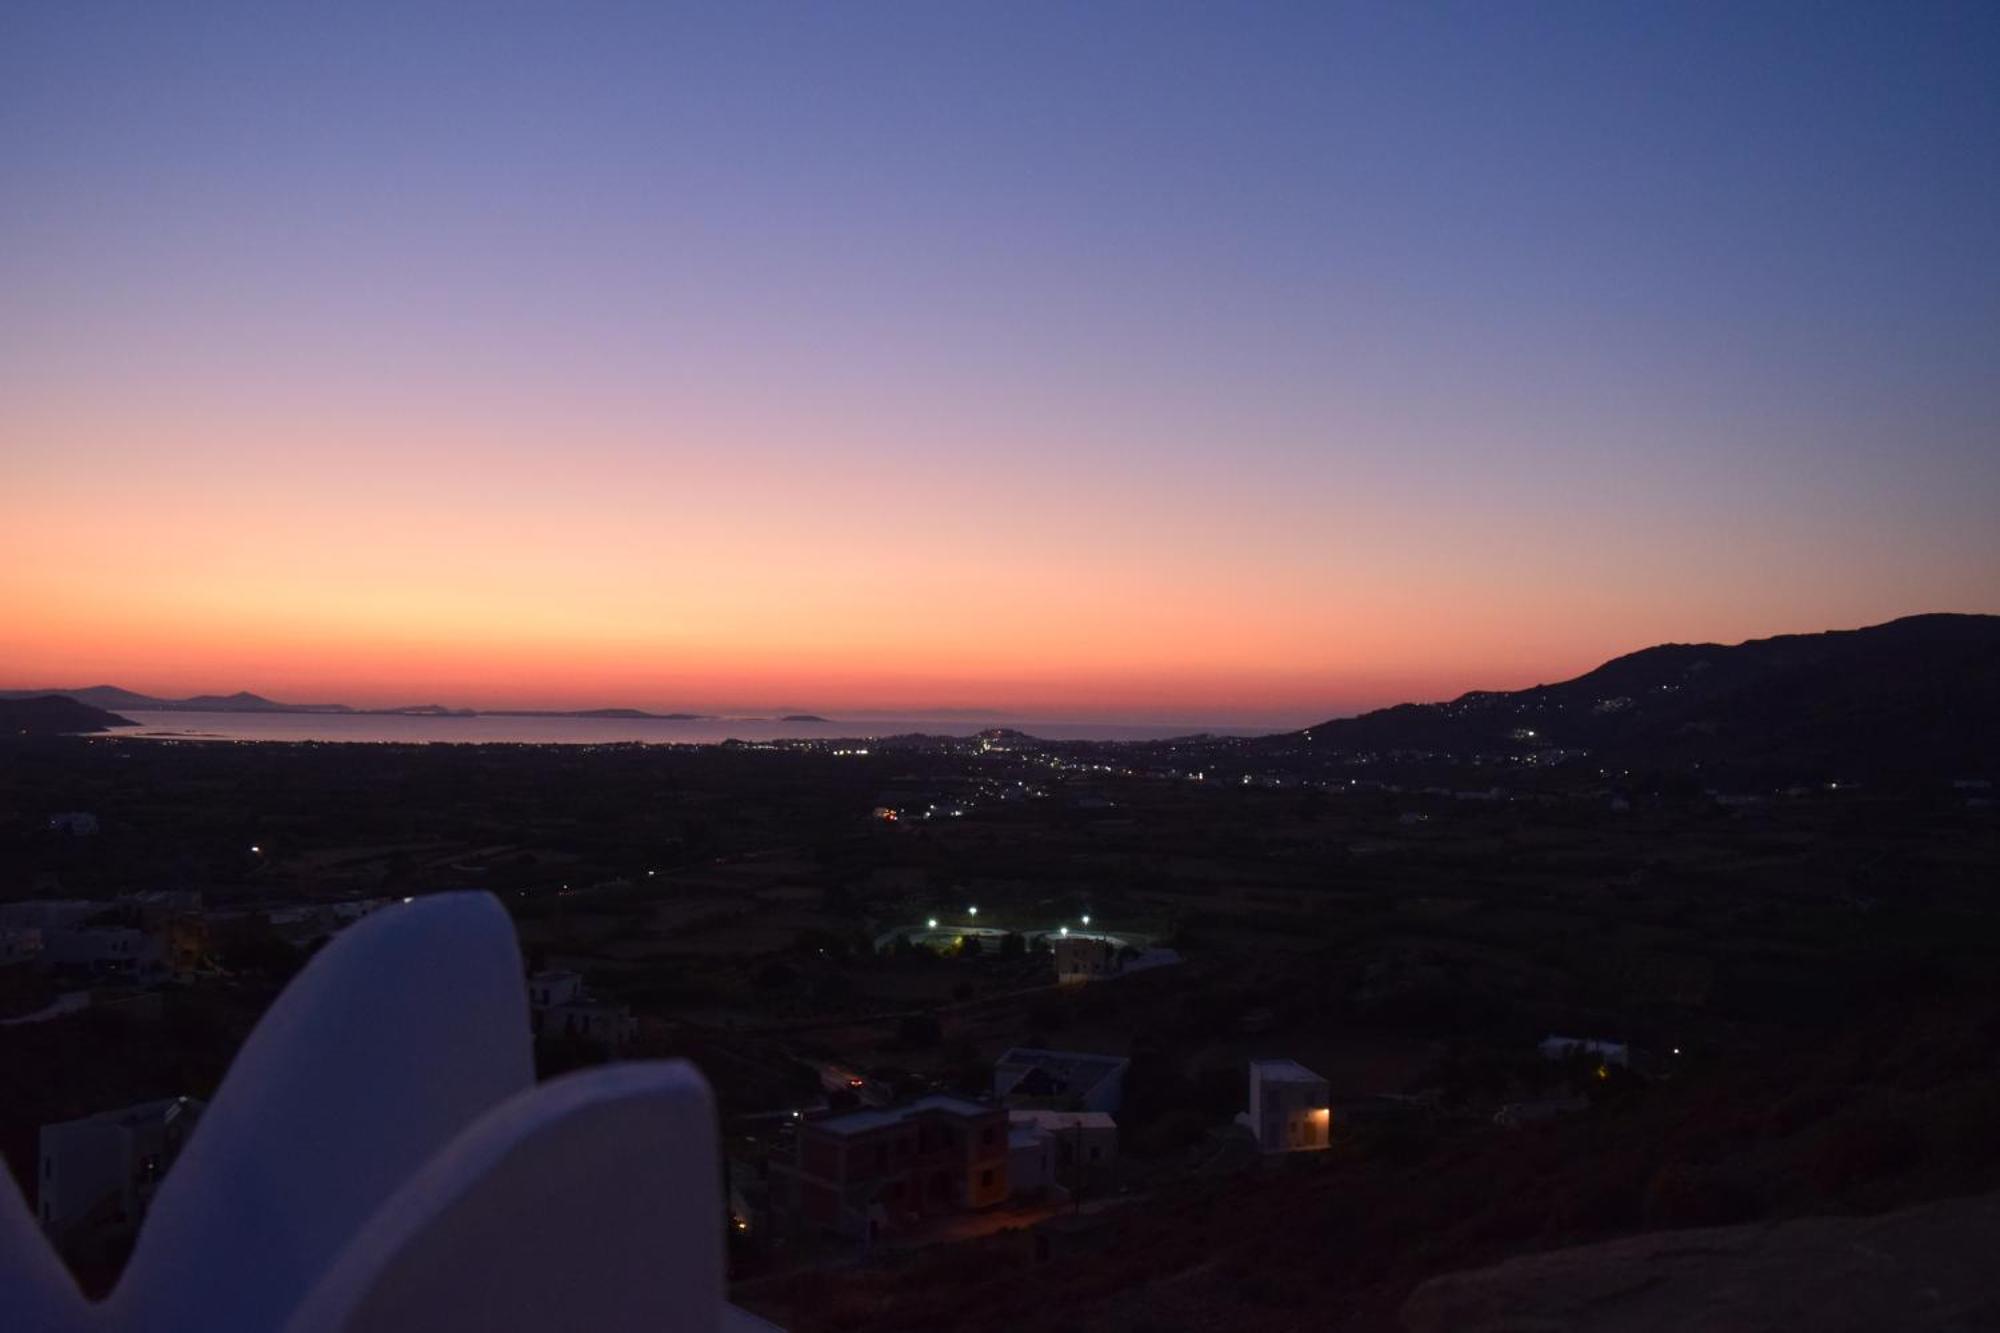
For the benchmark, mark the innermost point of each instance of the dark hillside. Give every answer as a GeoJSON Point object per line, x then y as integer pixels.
{"type": "Point", "coordinates": [53, 715]}
{"type": "Point", "coordinates": [1917, 696]}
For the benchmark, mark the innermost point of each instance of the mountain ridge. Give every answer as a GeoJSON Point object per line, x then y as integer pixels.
{"type": "Point", "coordinates": [1919, 692]}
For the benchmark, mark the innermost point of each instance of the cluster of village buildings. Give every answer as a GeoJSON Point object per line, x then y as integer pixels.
{"type": "Point", "coordinates": [1048, 1132]}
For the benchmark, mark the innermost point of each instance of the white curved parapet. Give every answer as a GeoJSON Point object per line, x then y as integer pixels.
{"type": "Point", "coordinates": [589, 1202]}
{"type": "Point", "coordinates": [379, 1158]}
{"type": "Point", "coordinates": [35, 1289]}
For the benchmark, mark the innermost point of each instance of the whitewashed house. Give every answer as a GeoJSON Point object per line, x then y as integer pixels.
{"type": "Point", "coordinates": [98, 1174]}
{"type": "Point", "coordinates": [1081, 958]}
{"type": "Point", "coordinates": [560, 1008]}
{"type": "Point", "coordinates": [1059, 1150]}
{"type": "Point", "coordinates": [546, 989]}
{"type": "Point", "coordinates": [121, 950]}
{"type": "Point", "coordinates": [1568, 1048]}
{"type": "Point", "coordinates": [1290, 1110]}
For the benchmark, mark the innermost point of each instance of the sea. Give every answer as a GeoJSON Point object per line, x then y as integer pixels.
{"type": "Point", "coordinates": [493, 729]}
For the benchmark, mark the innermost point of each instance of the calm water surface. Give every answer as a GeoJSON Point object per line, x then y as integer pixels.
{"type": "Point", "coordinates": [390, 729]}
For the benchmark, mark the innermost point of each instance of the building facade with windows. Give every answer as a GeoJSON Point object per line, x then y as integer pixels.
{"type": "Point", "coordinates": [870, 1172]}
{"type": "Point", "coordinates": [1290, 1110]}
{"type": "Point", "coordinates": [95, 1176]}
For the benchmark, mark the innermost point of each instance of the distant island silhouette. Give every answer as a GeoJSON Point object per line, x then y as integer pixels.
{"type": "Point", "coordinates": [1915, 690]}
{"type": "Point", "coordinates": [243, 701]}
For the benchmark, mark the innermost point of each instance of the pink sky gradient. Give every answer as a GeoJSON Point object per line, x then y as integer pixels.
{"type": "Point", "coordinates": [1103, 363]}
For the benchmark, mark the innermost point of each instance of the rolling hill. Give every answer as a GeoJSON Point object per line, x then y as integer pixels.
{"type": "Point", "coordinates": [1920, 695]}
{"type": "Point", "coordinates": [53, 715]}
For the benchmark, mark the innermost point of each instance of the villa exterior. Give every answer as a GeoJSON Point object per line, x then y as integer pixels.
{"type": "Point", "coordinates": [95, 1176]}
{"type": "Point", "coordinates": [1081, 958]}
{"type": "Point", "coordinates": [1060, 1150]}
{"type": "Point", "coordinates": [1289, 1107]}
{"type": "Point", "coordinates": [560, 1008]}
{"type": "Point", "coordinates": [864, 1173]}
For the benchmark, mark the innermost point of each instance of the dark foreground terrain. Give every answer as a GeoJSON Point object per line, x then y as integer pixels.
{"type": "Point", "coordinates": [1805, 976]}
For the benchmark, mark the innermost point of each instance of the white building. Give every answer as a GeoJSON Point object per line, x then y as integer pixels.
{"type": "Point", "coordinates": [1059, 1150]}
{"type": "Point", "coordinates": [1567, 1048]}
{"type": "Point", "coordinates": [1060, 1080]}
{"type": "Point", "coordinates": [125, 950]}
{"type": "Point", "coordinates": [1081, 958]}
{"type": "Point", "coordinates": [313, 923]}
{"type": "Point", "coordinates": [1290, 1110]}
{"type": "Point", "coordinates": [559, 1007]}
{"type": "Point", "coordinates": [46, 914]}
{"type": "Point", "coordinates": [98, 1174]}
{"type": "Point", "coordinates": [546, 989]}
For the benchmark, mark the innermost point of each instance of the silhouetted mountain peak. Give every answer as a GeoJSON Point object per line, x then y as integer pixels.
{"type": "Point", "coordinates": [1915, 693]}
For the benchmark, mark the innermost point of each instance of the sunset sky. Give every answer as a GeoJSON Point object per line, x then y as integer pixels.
{"type": "Point", "coordinates": [1211, 363]}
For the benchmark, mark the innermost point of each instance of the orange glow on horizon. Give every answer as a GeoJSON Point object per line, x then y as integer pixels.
{"type": "Point", "coordinates": [357, 571]}
{"type": "Point", "coordinates": [176, 548]}
{"type": "Point", "coordinates": [692, 358]}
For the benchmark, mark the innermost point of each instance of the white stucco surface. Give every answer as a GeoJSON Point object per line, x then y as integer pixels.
{"type": "Point", "coordinates": [379, 1158]}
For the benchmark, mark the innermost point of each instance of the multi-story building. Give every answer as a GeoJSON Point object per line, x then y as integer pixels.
{"type": "Point", "coordinates": [560, 1008]}
{"type": "Point", "coordinates": [867, 1172]}
{"type": "Point", "coordinates": [95, 1176]}
{"type": "Point", "coordinates": [121, 951]}
{"type": "Point", "coordinates": [1080, 958]}
{"type": "Point", "coordinates": [1289, 1107]}
{"type": "Point", "coordinates": [1067, 1151]}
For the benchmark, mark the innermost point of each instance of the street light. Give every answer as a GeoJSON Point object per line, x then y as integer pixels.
{"type": "Point", "coordinates": [1086, 918]}
{"type": "Point", "coordinates": [931, 924]}
{"type": "Point", "coordinates": [973, 910]}
{"type": "Point", "coordinates": [1065, 932]}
